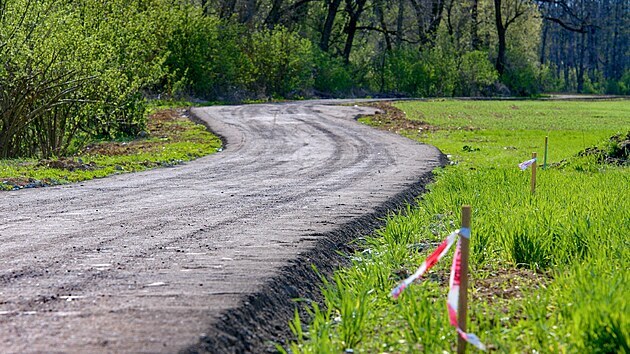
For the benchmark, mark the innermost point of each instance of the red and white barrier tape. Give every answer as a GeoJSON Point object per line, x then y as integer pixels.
{"type": "Point", "coordinates": [454, 281]}
{"type": "Point", "coordinates": [452, 301]}
{"type": "Point", "coordinates": [427, 264]}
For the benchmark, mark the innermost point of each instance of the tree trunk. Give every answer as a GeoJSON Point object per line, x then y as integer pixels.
{"type": "Point", "coordinates": [474, 25]}
{"type": "Point", "coordinates": [351, 29]}
{"type": "Point", "coordinates": [593, 55]}
{"type": "Point", "coordinates": [227, 9]}
{"type": "Point", "coordinates": [437, 8]}
{"type": "Point", "coordinates": [543, 44]}
{"type": "Point", "coordinates": [248, 12]}
{"type": "Point", "coordinates": [273, 18]}
{"type": "Point", "coordinates": [426, 34]}
{"type": "Point", "coordinates": [567, 77]}
{"type": "Point", "coordinates": [570, 55]}
{"type": "Point", "coordinates": [400, 22]}
{"type": "Point", "coordinates": [449, 21]}
{"type": "Point", "coordinates": [616, 64]}
{"type": "Point", "coordinates": [381, 18]}
{"type": "Point", "coordinates": [333, 7]}
{"type": "Point", "coordinates": [500, 63]}
{"type": "Point", "coordinates": [580, 68]}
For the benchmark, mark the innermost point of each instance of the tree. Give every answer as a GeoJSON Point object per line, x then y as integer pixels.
{"type": "Point", "coordinates": [354, 9]}
{"type": "Point", "coordinates": [429, 21]}
{"type": "Point", "coordinates": [475, 42]}
{"type": "Point", "coordinates": [506, 12]}
{"type": "Point", "coordinates": [586, 37]}
{"type": "Point", "coordinates": [332, 7]}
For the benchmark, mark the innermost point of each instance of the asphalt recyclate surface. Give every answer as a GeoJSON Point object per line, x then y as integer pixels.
{"type": "Point", "coordinates": [184, 258]}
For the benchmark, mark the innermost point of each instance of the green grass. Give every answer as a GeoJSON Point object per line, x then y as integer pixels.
{"type": "Point", "coordinates": [522, 115]}
{"type": "Point", "coordinates": [550, 272]}
{"type": "Point", "coordinates": [171, 142]}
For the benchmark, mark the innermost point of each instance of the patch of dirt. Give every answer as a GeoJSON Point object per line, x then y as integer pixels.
{"type": "Point", "coordinates": [159, 125]}
{"type": "Point", "coordinates": [495, 286]}
{"type": "Point", "coordinates": [508, 284]}
{"type": "Point", "coordinates": [8, 184]}
{"type": "Point", "coordinates": [616, 151]}
{"type": "Point", "coordinates": [395, 120]}
{"type": "Point", "coordinates": [502, 290]}
{"type": "Point", "coordinates": [67, 164]}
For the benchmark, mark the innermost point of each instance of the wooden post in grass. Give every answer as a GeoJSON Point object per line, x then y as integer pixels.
{"type": "Point", "coordinates": [534, 174]}
{"type": "Point", "coordinates": [545, 158]}
{"type": "Point", "coordinates": [462, 306]}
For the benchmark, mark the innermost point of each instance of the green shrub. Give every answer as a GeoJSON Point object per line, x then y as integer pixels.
{"type": "Point", "coordinates": [331, 75]}
{"type": "Point", "coordinates": [548, 81]}
{"type": "Point", "coordinates": [282, 63]}
{"type": "Point", "coordinates": [521, 75]}
{"type": "Point", "coordinates": [399, 71]}
{"type": "Point", "coordinates": [76, 68]}
{"type": "Point", "coordinates": [205, 56]}
{"type": "Point", "coordinates": [621, 86]}
{"type": "Point", "coordinates": [475, 73]}
{"type": "Point", "coordinates": [429, 73]}
{"type": "Point", "coordinates": [438, 72]}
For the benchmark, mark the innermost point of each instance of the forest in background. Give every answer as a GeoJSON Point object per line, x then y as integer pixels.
{"type": "Point", "coordinates": [76, 70]}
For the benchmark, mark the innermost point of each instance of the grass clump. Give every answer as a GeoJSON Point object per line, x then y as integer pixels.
{"type": "Point", "coordinates": [549, 271]}
{"type": "Point", "coordinates": [171, 138]}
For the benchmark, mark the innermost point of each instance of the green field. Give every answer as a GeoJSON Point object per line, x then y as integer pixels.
{"type": "Point", "coordinates": [550, 272]}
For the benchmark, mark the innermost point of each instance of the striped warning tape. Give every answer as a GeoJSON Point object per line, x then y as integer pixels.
{"type": "Point", "coordinates": [454, 281]}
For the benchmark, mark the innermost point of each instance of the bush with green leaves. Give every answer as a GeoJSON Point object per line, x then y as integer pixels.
{"type": "Point", "coordinates": [399, 70]}
{"type": "Point", "coordinates": [476, 72]}
{"type": "Point", "coordinates": [332, 75]}
{"type": "Point", "coordinates": [73, 69]}
{"type": "Point", "coordinates": [282, 63]}
{"type": "Point", "coordinates": [205, 56]}
{"type": "Point", "coordinates": [438, 72]}
{"type": "Point", "coordinates": [34, 81]}
{"type": "Point", "coordinates": [521, 75]}
{"type": "Point", "coordinates": [123, 48]}
{"type": "Point", "coordinates": [621, 86]}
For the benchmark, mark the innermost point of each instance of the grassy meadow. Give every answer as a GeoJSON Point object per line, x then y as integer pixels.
{"type": "Point", "coordinates": [550, 272]}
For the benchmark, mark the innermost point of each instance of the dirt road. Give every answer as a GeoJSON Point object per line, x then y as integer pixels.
{"type": "Point", "coordinates": [206, 255]}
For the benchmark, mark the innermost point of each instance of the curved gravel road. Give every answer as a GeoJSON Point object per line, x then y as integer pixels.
{"type": "Point", "coordinates": [204, 256]}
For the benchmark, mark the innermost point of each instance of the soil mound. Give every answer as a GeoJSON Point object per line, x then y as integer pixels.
{"type": "Point", "coordinates": [616, 151]}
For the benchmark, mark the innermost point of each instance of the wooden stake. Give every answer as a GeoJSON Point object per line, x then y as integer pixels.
{"type": "Point", "coordinates": [462, 307]}
{"type": "Point", "coordinates": [534, 174]}
{"type": "Point", "coordinates": [545, 159]}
